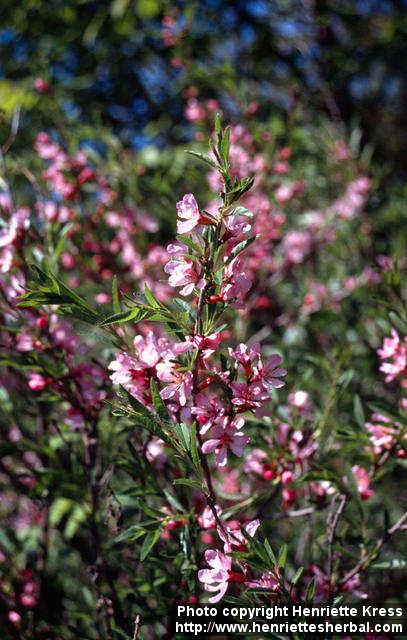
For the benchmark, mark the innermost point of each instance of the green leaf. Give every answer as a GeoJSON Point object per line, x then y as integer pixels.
{"type": "Point", "coordinates": [158, 403]}
{"type": "Point", "coordinates": [188, 482]}
{"type": "Point", "coordinates": [135, 315]}
{"type": "Point", "coordinates": [194, 447]}
{"type": "Point", "coordinates": [115, 296]}
{"type": "Point", "coordinates": [149, 541]}
{"type": "Point", "coordinates": [398, 322]}
{"type": "Point", "coordinates": [358, 411]}
{"type": "Point", "coordinates": [190, 244]}
{"type": "Point", "coordinates": [241, 247]}
{"type": "Point", "coordinates": [297, 576]}
{"type": "Point", "coordinates": [61, 242]}
{"type": "Point", "coordinates": [270, 552]}
{"type": "Point", "coordinates": [282, 557]}
{"type": "Point", "coordinates": [151, 299]}
{"type": "Point", "coordinates": [204, 158]}
{"type": "Point", "coordinates": [132, 533]}
{"type": "Point", "coordinates": [309, 595]}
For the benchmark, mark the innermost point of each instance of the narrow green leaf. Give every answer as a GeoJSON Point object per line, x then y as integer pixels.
{"type": "Point", "coordinates": [194, 447]}
{"type": "Point", "coordinates": [297, 576]}
{"type": "Point", "coordinates": [158, 403]}
{"type": "Point", "coordinates": [188, 482]}
{"type": "Point", "coordinates": [398, 322]}
{"type": "Point", "coordinates": [270, 552]}
{"type": "Point", "coordinates": [149, 541]}
{"type": "Point", "coordinates": [115, 295]}
{"type": "Point", "coordinates": [309, 595]}
{"type": "Point", "coordinates": [135, 315]}
{"type": "Point", "coordinates": [282, 557]}
{"type": "Point", "coordinates": [204, 158]}
{"type": "Point", "coordinates": [358, 411]}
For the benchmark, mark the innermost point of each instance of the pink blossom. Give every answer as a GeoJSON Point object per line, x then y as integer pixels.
{"type": "Point", "coordinates": [14, 618]}
{"type": "Point", "coordinates": [270, 373]}
{"type": "Point", "coordinates": [296, 245]}
{"type": "Point", "coordinates": [74, 418]}
{"type": "Point", "coordinates": [184, 273]}
{"type": "Point", "coordinates": [38, 382]}
{"type": "Point", "coordinates": [25, 341]}
{"type": "Point", "coordinates": [227, 435]}
{"type": "Point", "coordinates": [255, 460]}
{"type": "Point", "coordinates": [128, 373]}
{"type": "Point", "coordinates": [232, 535]}
{"type": "Point", "coordinates": [216, 578]}
{"type": "Point", "coordinates": [206, 519]}
{"type": "Point", "coordinates": [208, 411]}
{"type": "Point", "coordinates": [301, 402]}
{"type": "Point", "coordinates": [237, 283]}
{"type": "Point", "coordinates": [266, 581]}
{"type": "Point", "coordinates": [155, 453]}
{"type": "Point", "coordinates": [245, 354]}
{"type": "Point", "coordinates": [194, 112]}
{"type": "Point", "coordinates": [247, 396]}
{"type": "Point", "coordinates": [362, 481]}
{"type": "Point", "coordinates": [188, 214]}
{"type": "Point", "coordinates": [179, 388]}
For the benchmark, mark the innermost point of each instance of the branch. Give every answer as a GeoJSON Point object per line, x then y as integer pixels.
{"type": "Point", "coordinates": [364, 563]}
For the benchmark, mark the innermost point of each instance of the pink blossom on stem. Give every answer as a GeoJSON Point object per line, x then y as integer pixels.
{"type": "Point", "coordinates": [188, 214]}
{"type": "Point", "coordinates": [227, 435]}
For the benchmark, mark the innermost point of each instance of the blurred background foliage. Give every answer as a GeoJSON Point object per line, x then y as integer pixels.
{"type": "Point", "coordinates": [117, 64]}
{"type": "Point", "coordinates": [116, 79]}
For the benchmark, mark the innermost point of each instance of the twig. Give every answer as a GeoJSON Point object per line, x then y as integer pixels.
{"type": "Point", "coordinates": [332, 523]}
{"type": "Point", "coordinates": [365, 562]}
{"type": "Point", "coordinates": [136, 627]}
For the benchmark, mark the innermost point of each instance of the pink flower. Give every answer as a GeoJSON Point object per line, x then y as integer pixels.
{"type": "Point", "coordinates": [155, 453]}
{"type": "Point", "coordinates": [301, 402]}
{"type": "Point", "coordinates": [128, 373]}
{"type": "Point", "coordinates": [37, 382]}
{"type": "Point", "coordinates": [207, 410]}
{"type": "Point", "coordinates": [267, 581]}
{"type": "Point", "coordinates": [296, 245]}
{"type": "Point", "coordinates": [188, 214]}
{"type": "Point", "coordinates": [236, 283]}
{"type": "Point", "coordinates": [206, 519]}
{"type": "Point", "coordinates": [184, 273]}
{"type": "Point", "coordinates": [227, 435]}
{"type": "Point", "coordinates": [390, 346]}
{"type": "Point", "coordinates": [207, 344]}
{"type": "Point", "coordinates": [194, 112]}
{"type": "Point", "coordinates": [232, 536]}
{"type": "Point", "coordinates": [362, 481]}
{"type": "Point", "coordinates": [248, 396]}
{"type": "Point", "coordinates": [270, 373]}
{"type": "Point", "coordinates": [41, 85]}
{"type": "Point", "coordinates": [14, 618]}
{"type": "Point", "coordinates": [245, 354]}
{"type": "Point", "coordinates": [216, 578]}
{"type": "Point", "coordinates": [25, 341]}
{"type": "Point", "coordinates": [255, 461]}
{"type": "Point", "coordinates": [180, 383]}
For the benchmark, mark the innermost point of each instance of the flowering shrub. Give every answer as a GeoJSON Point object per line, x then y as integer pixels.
{"type": "Point", "coordinates": [174, 406]}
